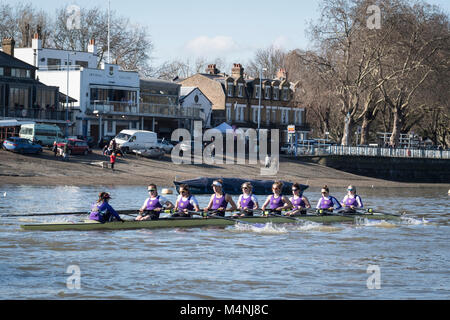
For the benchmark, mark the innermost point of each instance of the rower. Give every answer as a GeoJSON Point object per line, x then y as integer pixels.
{"type": "Point", "coordinates": [185, 202]}
{"type": "Point", "coordinates": [276, 201]}
{"type": "Point", "coordinates": [299, 202]}
{"type": "Point", "coordinates": [219, 200]}
{"type": "Point", "coordinates": [247, 202]}
{"type": "Point", "coordinates": [327, 202]}
{"type": "Point", "coordinates": [102, 211]}
{"type": "Point", "coordinates": [351, 201]}
{"type": "Point", "coordinates": [153, 205]}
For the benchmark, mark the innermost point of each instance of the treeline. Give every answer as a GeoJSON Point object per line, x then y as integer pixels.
{"type": "Point", "coordinates": [370, 72]}
{"type": "Point", "coordinates": [71, 28]}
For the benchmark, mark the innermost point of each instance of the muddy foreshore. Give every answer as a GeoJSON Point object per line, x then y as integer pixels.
{"type": "Point", "coordinates": [47, 170]}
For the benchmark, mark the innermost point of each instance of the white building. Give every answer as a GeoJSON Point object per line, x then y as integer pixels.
{"type": "Point", "coordinates": [106, 96]}
{"type": "Point", "coordinates": [193, 98]}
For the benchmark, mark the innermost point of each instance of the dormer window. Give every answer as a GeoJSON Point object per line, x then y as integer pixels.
{"type": "Point", "coordinates": [230, 89]}
{"type": "Point", "coordinates": [267, 93]}
{"type": "Point", "coordinates": [275, 93]}
{"type": "Point", "coordinates": [240, 90]}
{"type": "Point", "coordinates": [285, 94]}
{"type": "Point", "coordinates": [257, 91]}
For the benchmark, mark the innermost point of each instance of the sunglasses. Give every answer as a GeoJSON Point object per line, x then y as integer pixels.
{"type": "Point", "coordinates": [245, 188]}
{"type": "Point", "coordinates": [151, 190]}
{"type": "Point", "coordinates": [183, 191]}
{"type": "Point", "coordinates": [350, 189]}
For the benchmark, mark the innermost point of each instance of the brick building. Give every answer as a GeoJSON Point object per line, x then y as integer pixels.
{"type": "Point", "coordinates": [235, 99]}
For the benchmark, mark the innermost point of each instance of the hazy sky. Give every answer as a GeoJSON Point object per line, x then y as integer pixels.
{"type": "Point", "coordinates": [230, 29]}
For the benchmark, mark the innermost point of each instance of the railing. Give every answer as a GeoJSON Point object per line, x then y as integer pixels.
{"type": "Point", "coordinates": [38, 114]}
{"type": "Point", "coordinates": [144, 109]}
{"type": "Point", "coordinates": [371, 151]}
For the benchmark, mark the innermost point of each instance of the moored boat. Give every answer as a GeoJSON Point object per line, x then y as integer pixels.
{"type": "Point", "coordinates": [195, 222]}
{"type": "Point", "coordinates": [202, 185]}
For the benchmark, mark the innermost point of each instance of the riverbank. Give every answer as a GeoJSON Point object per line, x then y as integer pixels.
{"type": "Point", "coordinates": [47, 170]}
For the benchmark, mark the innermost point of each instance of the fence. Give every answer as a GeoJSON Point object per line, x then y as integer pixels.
{"type": "Point", "coordinates": [372, 152]}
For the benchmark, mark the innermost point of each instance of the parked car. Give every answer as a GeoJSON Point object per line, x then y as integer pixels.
{"type": "Point", "coordinates": [90, 140]}
{"type": "Point", "coordinates": [150, 152]}
{"type": "Point", "coordinates": [21, 145]}
{"type": "Point", "coordinates": [165, 145]}
{"type": "Point", "coordinates": [76, 146]}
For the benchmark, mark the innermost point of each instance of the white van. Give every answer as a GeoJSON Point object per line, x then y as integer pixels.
{"type": "Point", "coordinates": [43, 134]}
{"type": "Point", "coordinates": [128, 140]}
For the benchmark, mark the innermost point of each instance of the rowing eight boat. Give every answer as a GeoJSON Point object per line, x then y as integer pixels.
{"type": "Point", "coordinates": [192, 222]}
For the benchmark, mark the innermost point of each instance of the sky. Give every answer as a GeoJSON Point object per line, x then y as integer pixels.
{"type": "Point", "coordinates": [228, 29]}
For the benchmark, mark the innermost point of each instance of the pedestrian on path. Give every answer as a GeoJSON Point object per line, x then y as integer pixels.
{"type": "Point", "coordinates": [112, 160]}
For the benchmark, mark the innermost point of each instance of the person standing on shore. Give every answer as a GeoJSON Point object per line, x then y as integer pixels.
{"type": "Point", "coordinates": [112, 160]}
{"type": "Point", "coordinates": [153, 205]}
{"type": "Point", "coordinates": [351, 201]}
{"type": "Point", "coordinates": [102, 211]}
{"type": "Point", "coordinates": [55, 148]}
{"type": "Point", "coordinates": [327, 202]}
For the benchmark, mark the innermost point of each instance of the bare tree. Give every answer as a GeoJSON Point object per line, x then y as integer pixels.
{"type": "Point", "coordinates": [272, 59]}
{"type": "Point", "coordinates": [130, 44]}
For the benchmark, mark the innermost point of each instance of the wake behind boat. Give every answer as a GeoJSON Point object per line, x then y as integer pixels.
{"type": "Point", "coordinates": [202, 185]}
{"type": "Point", "coordinates": [175, 222]}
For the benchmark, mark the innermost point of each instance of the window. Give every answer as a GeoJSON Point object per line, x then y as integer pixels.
{"type": "Point", "coordinates": [83, 64]}
{"type": "Point", "coordinates": [284, 116]}
{"type": "Point", "coordinates": [240, 90]}
{"type": "Point", "coordinates": [285, 94]}
{"type": "Point", "coordinates": [230, 89]}
{"type": "Point", "coordinates": [18, 97]}
{"type": "Point", "coordinates": [1, 71]}
{"type": "Point", "coordinates": [239, 113]}
{"type": "Point", "coordinates": [228, 113]}
{"type": "Point", "coordinates": [255, 114]}
{"type": "Point", "coordinates": [267, 93]}
{"type": "Point", "coordinates": [268, 115]}
{"type": "Point", "coordinates": [275, 93]}
{"type": "Point", "coordinates": [257, 91]}
{"type": "Point", "coordinates": [20, 73]}
{"type": "Point", "coordinates": [53, 63]}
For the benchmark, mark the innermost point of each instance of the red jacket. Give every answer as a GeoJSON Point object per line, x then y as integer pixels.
{"type": "Point", "coordinates": [112, 159]}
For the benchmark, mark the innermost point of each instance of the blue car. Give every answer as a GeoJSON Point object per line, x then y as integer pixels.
{"type": "Point", "coordinates": [21, 145]}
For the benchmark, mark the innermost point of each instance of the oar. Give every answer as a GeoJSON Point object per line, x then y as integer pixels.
{"type": "Point", "coordinates": [205, 214]}
{"type": "Point", "coordinates": [124, 212]}
{"type": "Point", "coordinates": [372, 211]}
{"type": "Point", "coordinates": [274, 214]}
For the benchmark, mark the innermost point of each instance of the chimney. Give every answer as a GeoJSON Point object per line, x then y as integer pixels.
{"type": "Point", "coordinates": [282, 74]}
{"type": "Point", "coordinates": [237, 71]}
{"type": "Point", "coordinates": [92, 48]}
{"type": "Point", "coordinates": [8, 46]}
{"type": "Point", "coordinates": [36, 43]}
{"type": "Point", "coordinates": [212, 69]}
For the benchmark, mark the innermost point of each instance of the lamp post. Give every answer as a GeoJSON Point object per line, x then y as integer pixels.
{"type": "Point", "coordinates": [67, 93]}
{"type": "Point", "coordinates": [259, 97]}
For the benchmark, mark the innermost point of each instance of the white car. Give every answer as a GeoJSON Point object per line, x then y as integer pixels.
{"type": "Point", "coordinates": [150, 153]}
{"type": "Point", "coordinates": [165, 145]}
